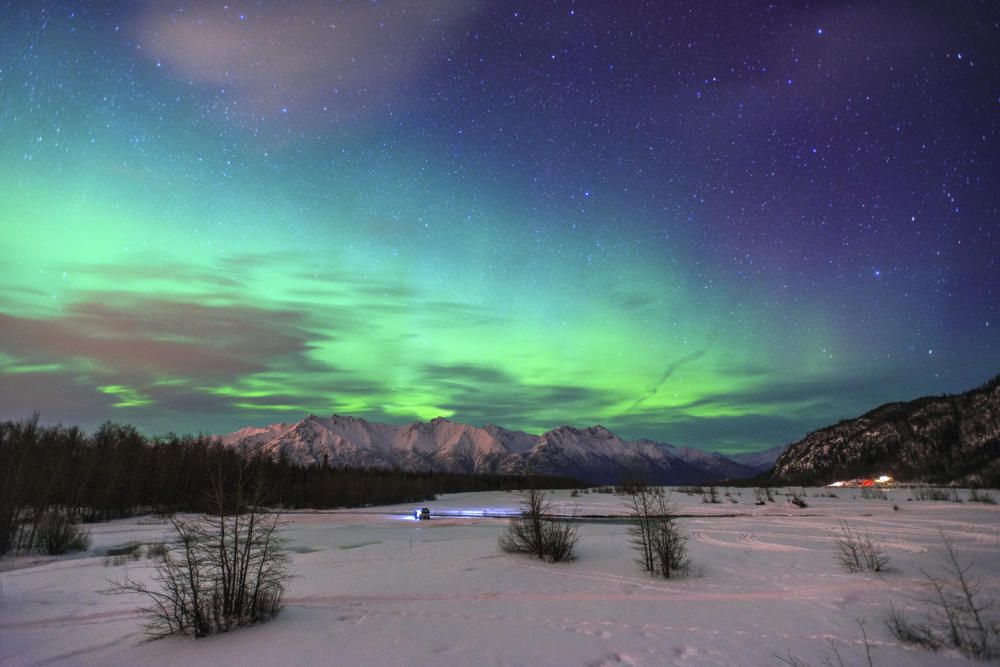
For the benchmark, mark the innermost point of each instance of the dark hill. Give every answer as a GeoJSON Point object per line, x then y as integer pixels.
{"type": "Point", "coordinates": [935, 439]}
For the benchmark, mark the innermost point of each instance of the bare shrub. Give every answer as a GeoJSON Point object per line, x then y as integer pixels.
{"type": "Point", "coordinates": [123, 554]}
{"type": "Point", "coordinates": [559, 541]}
{"type": "Point", "coordinates": [225, 569]}
{"type": "Point", "coordinates": [930, 493]}
{"type": "Point", "coordinates": [873, 493]}
{"type": "Point", "coordinates": [910, 632]}
{"type": "Point", "coordinates": [858, 553]}
{"type": "Point", "coordinates": [661, 546]}
{"type": "Point", "coordinates": [711, 496]}
{"type": "Point", "coordinates": [837, 660]}
{"type": "Point", "coordinates": [957, 611]}
{"type": "Point", "coordinates": [57, 533]}
{"type": "Point", "coordinates": [534, 532]}
{"type": "Point", "coordinates": [156, 550]}
{"type": "Point", "coordinates": [977, 496]}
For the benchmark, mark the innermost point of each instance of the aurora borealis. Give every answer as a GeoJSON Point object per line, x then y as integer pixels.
{"type": "Point", "coordinates": [712, 224]}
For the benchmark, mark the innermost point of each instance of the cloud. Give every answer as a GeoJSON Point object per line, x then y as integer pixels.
{"type": "Point", "coordinates": [478, 394]}
{"type": "Point", "coordinates": [671, 368]}
{"type": "Point", "coordinates": [855, 390]}
{"type": "Point", "coordinates": [465, 374]}
{"type": "Point", "coordinates": [169, 364]}
{"type": "Point", "coordinates": [63, 396]}
{"type": "Point", "coordinates": [160, 337]}
{"type": "Point", "coordinates": [305, 60]}
{"type": "Point", "coordinates": [730, 434]}
{"type": "Point", "coordinates": [167, 273]}
{"type": "Point", "coordinates": [771, 410]}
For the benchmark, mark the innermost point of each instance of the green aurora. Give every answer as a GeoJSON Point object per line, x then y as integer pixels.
{"type": "Point", "coordinates": [169, 263]}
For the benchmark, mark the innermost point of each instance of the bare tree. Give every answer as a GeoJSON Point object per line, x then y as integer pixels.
{"type": "Point", "coordinates": [661, 546]}
{"type": "Point", "coordinates": [957, 615]}
{"type": "Point", "coordinates": [57, 533]}
{"type": "Point", "coordinates": [858, 553]}
{"type": "Point", "coordinates": [711, 496]}
{"type": "Point", "coordinates": [643, 509]}
{"type": "Point", "coordinates": [534, 531]}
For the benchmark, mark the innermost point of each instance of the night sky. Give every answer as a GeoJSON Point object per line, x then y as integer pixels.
{"type": "Point", "coordinates": [711, 223]}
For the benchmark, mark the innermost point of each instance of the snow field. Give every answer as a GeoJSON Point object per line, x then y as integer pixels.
{"type": "Point", "coordinates": [374, 587]}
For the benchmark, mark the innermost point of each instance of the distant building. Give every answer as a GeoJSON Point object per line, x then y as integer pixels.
{"type": "Point", "coordinates": [863, 482]}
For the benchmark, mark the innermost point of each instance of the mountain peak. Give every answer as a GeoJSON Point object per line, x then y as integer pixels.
{"type": "Point", "coordinates": [593, 454]}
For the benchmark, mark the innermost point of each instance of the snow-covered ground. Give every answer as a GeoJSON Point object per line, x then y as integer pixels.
{"type": "Point", "coordinates": [375, 587]}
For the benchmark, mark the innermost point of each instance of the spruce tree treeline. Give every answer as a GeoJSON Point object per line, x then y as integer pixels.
{"type": "Point", "coordinates": [117, 472]}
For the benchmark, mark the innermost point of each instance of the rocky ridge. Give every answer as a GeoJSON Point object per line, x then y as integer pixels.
{"type": "Point", "coordinates": [935, 439]}
{"type": "Point", "coordinates": [594, 455]}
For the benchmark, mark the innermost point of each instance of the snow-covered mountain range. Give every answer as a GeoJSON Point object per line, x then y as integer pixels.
{"type": "Point", "coordinates": [594, 454]}
{"type": "Point", "coordinates": [761, 461]}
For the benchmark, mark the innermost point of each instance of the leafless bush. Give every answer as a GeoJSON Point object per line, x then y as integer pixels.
{"type": "Point", "coordinates": [873, 493]}
{"type": "Point", "coordinates": [977, 496]}
{"type": "Point", "coordinates": [57, 533]}
{"type": "Point", "coordinates": [661, 546]}
{"type": "Point", "coordinates": [858, 553]}
{"type": "Point", "coordinates": [123, 554]}
{"type": "Point", "coordinates": [559, 540]}
{"type": "Point", "coordinates": [763, 494]}
{"type": "Point", "coordinates": [957, 614]}
{"type": "Point", "coordinates": [156, 550]}
{"type": "Point", "coordinates": [911, 632]}
{"type": "Point", "coordinates": [711, 496]}
{"type": "Point", "coordinates": [222, 570]}
{"type": "Point", "coordinates": [933, 493]}
{"type": "Point", "coordinates": [533, 532]}
{"type": "Point", "coordinates": [836, 660]}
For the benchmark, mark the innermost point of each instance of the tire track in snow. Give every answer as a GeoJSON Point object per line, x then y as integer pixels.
{"type": "Point", "coordinates": [76, 619]}
{"type": "Point", "coordinates": [744, 541]}
{"type": "Point", "coordinates": [818, 591]}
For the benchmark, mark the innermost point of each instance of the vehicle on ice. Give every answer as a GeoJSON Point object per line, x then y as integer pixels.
{"type": "Point", "coordinates": [422, 513]}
